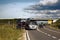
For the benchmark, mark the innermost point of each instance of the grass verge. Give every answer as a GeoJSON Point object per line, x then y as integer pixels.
{"type": "Point", "coordinates": [7, 32]}
{"type": "Point", "coordinates": [54, 27]}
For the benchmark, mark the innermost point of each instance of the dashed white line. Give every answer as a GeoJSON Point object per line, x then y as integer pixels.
{"type": "Point", "coordinates": [51, 30]}
{"type": "Point", "coordinates": [42, 32]}
{"type": "Point", "coordinates": [49, 35]}
{"type": "Point", "coordinates": [58, 39]}
{"type": "Point", "coordinates": [53, 37]}
{"type": "Point", "coordinates": [39, 30]}
{"type": "Point", "coordinates": [45, 33]}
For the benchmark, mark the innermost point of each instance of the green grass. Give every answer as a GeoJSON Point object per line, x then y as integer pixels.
{"type": "Point", "coordinates": [56, 28]}
{"type": "Point", "coordinates": [8, 32]}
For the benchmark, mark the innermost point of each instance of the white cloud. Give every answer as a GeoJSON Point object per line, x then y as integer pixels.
{"type": "Point", "coordinates": [47, 14]}
{"type": "Point", "coordinates": [48, 2]}
{"type": "Point", "coordinates": [47, 8]}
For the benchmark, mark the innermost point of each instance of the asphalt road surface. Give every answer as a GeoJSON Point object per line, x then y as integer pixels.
{"type": "Point", "coordinates": [43, 34]}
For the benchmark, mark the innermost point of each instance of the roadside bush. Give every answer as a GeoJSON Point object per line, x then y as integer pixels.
{"type": "Point", "coordinates": [56, 24]}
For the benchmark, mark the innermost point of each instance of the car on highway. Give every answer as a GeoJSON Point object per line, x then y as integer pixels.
{"type": "Point", "coordinates": [33, 25]}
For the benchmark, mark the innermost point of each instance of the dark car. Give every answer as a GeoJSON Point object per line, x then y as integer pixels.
{"type": "Point", "coordinates": [21, 24]}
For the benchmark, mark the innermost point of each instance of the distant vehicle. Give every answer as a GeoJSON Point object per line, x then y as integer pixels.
{"type": "Point", "coordinates": [21, 24]}
{"type": "Point", "coordinates": [40, 25]}
{"type": "Point", "coordinates": [33, 25]}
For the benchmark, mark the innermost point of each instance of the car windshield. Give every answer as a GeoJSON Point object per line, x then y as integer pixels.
{"type": "Point", "coordinates": [33, 23]}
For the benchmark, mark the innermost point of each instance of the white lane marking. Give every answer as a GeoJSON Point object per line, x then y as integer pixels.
{"type": "Point", "coordinates": [51, 30]}
{"type": "Point", "coordinates": [19, 38]}
{"type": "Point", "coordinates": [49, 35]}
{"type": "Point", "coordinates": [53, 37]}
{"type": "Point", "coordinates": [27, 35]}
{"type": "Point", "coordinates": [45, 33]}
{"type": "Point", "coordinates": [40, 31]}
{"type": "Point", "coordinates": [58, 39]}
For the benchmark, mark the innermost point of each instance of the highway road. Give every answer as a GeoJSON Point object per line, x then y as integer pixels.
{"type": "Point", "coordinates": [43, 34]}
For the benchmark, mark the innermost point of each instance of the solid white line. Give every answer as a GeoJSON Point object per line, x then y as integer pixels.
{"type": "Point", "coordinates": [20, 38]}
{"type": "Point", "coordinates": [27, 35]}
{"type": "Point", "coordinates": [53, 37]}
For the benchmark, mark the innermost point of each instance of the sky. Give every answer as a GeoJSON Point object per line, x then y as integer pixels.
{"type": "Point", "coordinates": [15, 8]}
{"type": "Point", "coordinates": [46, 8]}
{"type": "Point", "coordinates": [42, 8]}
